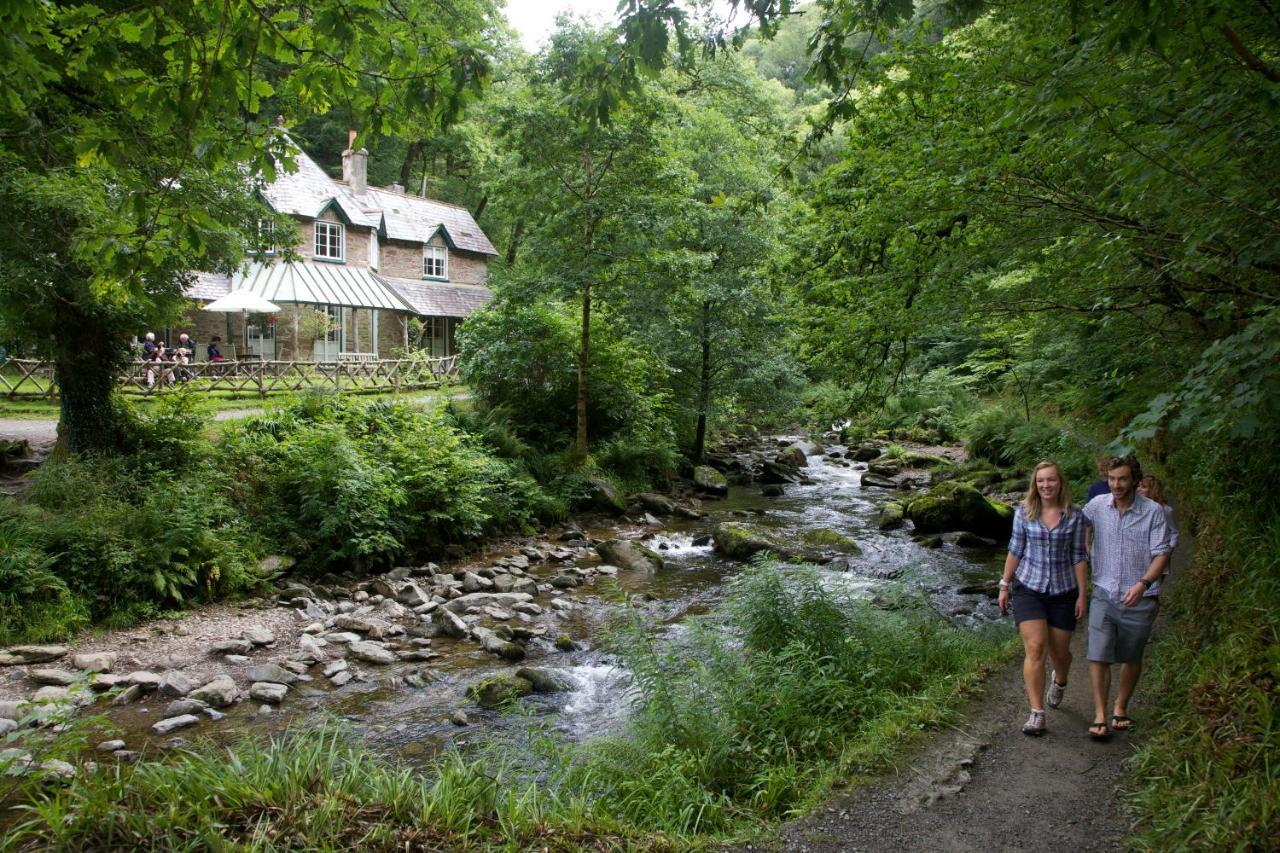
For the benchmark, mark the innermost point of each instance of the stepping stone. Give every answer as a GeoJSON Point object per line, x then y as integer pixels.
{"type": "Point", "coordinates": [172, 724]}
{"type": "Point", "coordinates": [266, 691]}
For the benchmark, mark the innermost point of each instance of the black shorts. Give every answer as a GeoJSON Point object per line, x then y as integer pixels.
{"type": "Point", "coordinates": [1058, 610]}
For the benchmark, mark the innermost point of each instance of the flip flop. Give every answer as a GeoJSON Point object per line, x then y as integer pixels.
{"type": "Point", "coordinates": [1105, 734]}
{"type": "Point", "coordinates": [1121, 723]}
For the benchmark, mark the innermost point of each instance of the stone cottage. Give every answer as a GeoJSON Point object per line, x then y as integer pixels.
{"type": "Point", "coordinates": [373, 260]}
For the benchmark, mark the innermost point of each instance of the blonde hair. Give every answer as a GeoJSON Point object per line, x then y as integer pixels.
{"type": "Point", "coordinates": [1031, 504]}
{"type": "Point", "coordinates": [1155, 489]}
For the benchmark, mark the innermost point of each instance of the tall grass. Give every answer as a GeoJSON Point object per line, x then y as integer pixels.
{"type": "Point", "coordinates": [743, 719]}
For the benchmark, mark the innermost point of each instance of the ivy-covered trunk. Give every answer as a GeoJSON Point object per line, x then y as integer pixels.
{"type": "Point", "coordinates": [584, 365]}
{"type": "Point", "coordinates": [87, 358]}
{"type": "Point", "coordinates": [704, 387]}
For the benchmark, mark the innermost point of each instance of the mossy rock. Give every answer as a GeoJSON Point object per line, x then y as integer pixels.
{"type": "Point", "coordinates": [626, 554]}
{"type": "Point", "coordinates": [498, 691]}
{"type": "Point", "coordinates": [741, 541]}
{"type": "Point", "coordinates": [825, 537]}
{"type": "Point", "coordinates": [891, 516]}
{"type": "Point", "coordinates": [885, 468]}
{"type": "Point", "coordinates": [955, 505]}
{"type": "Point", "coordinates": [793, 457]}
{"type": "Point", "coordinates": [709, 480]}
{"type": "Point", "coordinates": [605, 496]}
{"type": "Point", "coordinates": [918, 459]}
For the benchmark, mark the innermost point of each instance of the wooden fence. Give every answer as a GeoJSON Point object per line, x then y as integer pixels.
{"type": "Point", "coordinates": [27, 378]}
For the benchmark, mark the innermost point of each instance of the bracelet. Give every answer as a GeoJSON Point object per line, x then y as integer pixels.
{"type": "Point", "coordinates": [1004, 584]}
{"type": "Point", "coordinates": [1145, 582]}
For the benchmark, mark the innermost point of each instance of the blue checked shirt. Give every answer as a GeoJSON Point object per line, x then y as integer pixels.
{"type": "Point", "coordinates": [1124, 546]}
{"type": "Point", "coordinates": [1046, 558]}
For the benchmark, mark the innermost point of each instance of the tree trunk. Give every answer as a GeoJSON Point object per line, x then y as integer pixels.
{"type": "Point", "coordinates": [704, 387]}
{"type": "Point", "coordinates": [584, 363]}
{"type": "Point", "coordinates": [86, 360]}
{"type": "Point", "coordinates": [517, 231]}
{"type": "Point", "coordinates": [406, 168]}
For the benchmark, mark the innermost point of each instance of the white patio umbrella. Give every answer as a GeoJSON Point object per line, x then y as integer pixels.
{"type": "Point", "coordinates": [244, 301]}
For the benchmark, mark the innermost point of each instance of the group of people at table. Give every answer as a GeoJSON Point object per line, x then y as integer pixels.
{"type": "Point", "coordinates": [1120, 539]}
{"type": "Point", "coordinates": [158, 352]}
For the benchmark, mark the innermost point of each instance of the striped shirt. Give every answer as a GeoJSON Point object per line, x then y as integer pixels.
{"type": "Point", "coordinates": [1046, 557]}
{"type": "Point", "coordinates": [1124, 545]}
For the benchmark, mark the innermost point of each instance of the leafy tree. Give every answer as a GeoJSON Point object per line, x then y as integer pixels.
{"type": "Point", "coordinates": [131, 136]}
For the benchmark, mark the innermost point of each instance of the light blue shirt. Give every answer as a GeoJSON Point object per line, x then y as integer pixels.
{"type": "Point", "coordinates": [1124, 545]}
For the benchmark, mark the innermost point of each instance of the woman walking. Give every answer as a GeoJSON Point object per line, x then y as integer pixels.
{"type": "Point", "coordinates": [1045, 576]}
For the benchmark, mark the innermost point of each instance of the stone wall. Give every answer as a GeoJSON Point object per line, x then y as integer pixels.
{"type": "Point", "coordinates": [401, 259]}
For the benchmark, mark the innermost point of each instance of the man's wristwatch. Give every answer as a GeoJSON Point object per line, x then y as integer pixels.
{"type": "Point", "coordinates": [1146, 583]}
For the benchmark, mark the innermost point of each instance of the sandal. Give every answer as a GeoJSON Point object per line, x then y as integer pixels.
{"type": "Point", "coordinates": [1034, 726]}
{"type": "Point", "coordinates": [1121, 723]}
{"type": "Point", "coordinates": [1105, 734]}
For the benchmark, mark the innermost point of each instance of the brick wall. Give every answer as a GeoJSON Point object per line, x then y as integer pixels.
{"type": "Point", "coordinates": [401, 259]}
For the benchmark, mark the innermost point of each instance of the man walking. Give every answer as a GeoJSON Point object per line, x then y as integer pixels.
{"type": "Point", "coordinates": [1130, 548]}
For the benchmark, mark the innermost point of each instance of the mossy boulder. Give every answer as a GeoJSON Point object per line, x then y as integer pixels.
{"type": "Point", "coordinates": [793, 457]}
{"type": "Point", "coordinates": [742, 541]}
{"type": "Point", "coordinates": [891, 516]}
{"type": "Point", "coordinates": [959, 506]}
{"type": "Point", "coordinates": [825, 537]}
{"type": "Point", "coordinates": [605, 496]}
{"type": "Point", "coordinates": [709, 480]}
{"type": "Point", "coordinates": [498, 691]}
{"type": "Point", "coordinates": [918, 459]}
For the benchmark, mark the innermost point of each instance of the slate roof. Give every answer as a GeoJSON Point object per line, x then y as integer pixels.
{"type": "Point", "coordinates": [437, 299]}
{"type": "Point", "coordinates": [308, 191]}
{"type": "Point", "coordinates": [416, 219]}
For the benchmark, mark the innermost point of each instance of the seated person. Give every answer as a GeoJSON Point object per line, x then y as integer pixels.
{"type": "Point", "coordinates": [213, 351]}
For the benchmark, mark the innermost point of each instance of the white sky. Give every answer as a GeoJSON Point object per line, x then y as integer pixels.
{"type": "Point", "coordinates": [535, 19]}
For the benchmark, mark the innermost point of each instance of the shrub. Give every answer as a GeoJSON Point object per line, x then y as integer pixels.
{"type": "Point", "coordinates": [1008, 439]}
{"type": "Point", "coordinates": [35, 604]}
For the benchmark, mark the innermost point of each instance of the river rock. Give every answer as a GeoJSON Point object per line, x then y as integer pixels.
{"type": "Point", "coordinates": [56, 677]}
{"type": "Point", "coordinates": [972, 540]}
{"type": "Point", "coordinates": [382, 587]}
{"type": "Point", "coordinates": [566, 582]}
{"type": "Point", "coordinates": [7, 725]}
{"type": "Point", "coordinates": [132, 693]}
{"type": "Point", "coordinates": [495, 645]}
{"type": "Point", "coordinates": [772, 490]}
{"type": "Point", "coordinates": [342, 638]}
{"type": "Point", "coordinates": [863, 453]}
{"type": "Point", "coordinates": [793, 457]}
{"type": "Point", "coordinates": [101, 682]}
{"type": "Point", "coordinates": [110, 745]}
{"type": "Point", "coordinates": [143, 679]}
{"type": "Point", "coordinates": [372, 652]}
{"type": "Point", "coordinates": [268, 691]}
{"type": "Point", "coordinates": [311, 648]}
{"type": "Point", "coordinates": [741, 541]}
{"type": "Point", "coordinates": [176, 683]}
{"type": "Point", "coordinates": [657, 504]}
{"type": "Point", "coordinates": [52, 693]}
{"type": "Point", "coordinates": [605, 496]}
{"type": "Point", "coordinates": [459, 718]}
{"type": "Point", "coordinates": [891, 516]}
{"type": "Point", "coordinates": [55, 769]}
{"type": "Point", "coordinates": [18, 655]}
{"type": "Point", "coordinates": [885, 467]}
{"type": "Point", "coordinates": [231, 647]}
{"type": "Point", "coordinates": [174, 723]}
{"type": "Point", "coordinates": [258, 635]}
{"type": "Point", "coordinates": [340, 678]}
{"type": "Point", "coordinates": [471, 582]}
{"type": "Point", "coordinates": [178, 707]}
{"type": "Point", "coordinates": [710, 481]}
{"type": "Point", "coordinates": [478, 600]}
{"type": "Point", "coordinates": [877, 481]}
{"type": "Point", "coordinates": [94, 661]}
{"type": "Point", "coordinates": [218, 692]}
{"type": "Point", "coordinates": [959, 506]}
{"type": "Point", "coordinates": [626, 554]}
{"type": "Point", "coordinates": [543, 681]}
{"type": "Point", "coordinates": [826, 538]}
{"type": "Point", "coordinates": [334, 667]}
{"type": "Point", "coordinates": [412, 595]}
{"type": "Point", "coordinates": [270, 672]}
{"type": "Point", "coordinates": [499, 690]}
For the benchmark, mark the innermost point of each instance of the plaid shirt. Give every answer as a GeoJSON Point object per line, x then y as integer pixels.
{"type": "Point", "coordinates": [1046, 558]}
{"type": "Point", "coordinates": [1125, 545]}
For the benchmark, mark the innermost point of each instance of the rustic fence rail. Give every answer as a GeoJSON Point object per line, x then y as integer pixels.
{"type": "Point", "coordinates": [29, 378]}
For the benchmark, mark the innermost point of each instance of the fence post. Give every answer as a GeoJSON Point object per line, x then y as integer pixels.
{"type": "Point", "coordinates": [262, 365]}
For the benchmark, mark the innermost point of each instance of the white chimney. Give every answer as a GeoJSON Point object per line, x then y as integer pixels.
{"type": "Point", "coordinates": [355, 166]}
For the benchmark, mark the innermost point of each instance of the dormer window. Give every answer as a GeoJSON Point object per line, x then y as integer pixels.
{"type": "Point", "coordinates": [329, 242]}
{"type": "Point", "coordinates": [435, 262]}
{"type": "Point", "coordinates": [265, 238]}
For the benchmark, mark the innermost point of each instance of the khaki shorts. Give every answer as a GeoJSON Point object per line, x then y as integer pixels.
{"type": "Point", "coordinates": [1118, 634]}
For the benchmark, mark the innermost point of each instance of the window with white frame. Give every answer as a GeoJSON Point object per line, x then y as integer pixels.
{"type": "Point", "coordinates": [435, 262]}
{"type": "Point", "coordinates": [373, 250]}
{"type": "Point", "coordinates": [329, 240]}
{"type": "Point", "coordinates": [266, 237]}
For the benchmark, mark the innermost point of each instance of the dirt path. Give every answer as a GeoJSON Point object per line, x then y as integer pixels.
{"type": "Point", "coordinates": [984, 786]}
